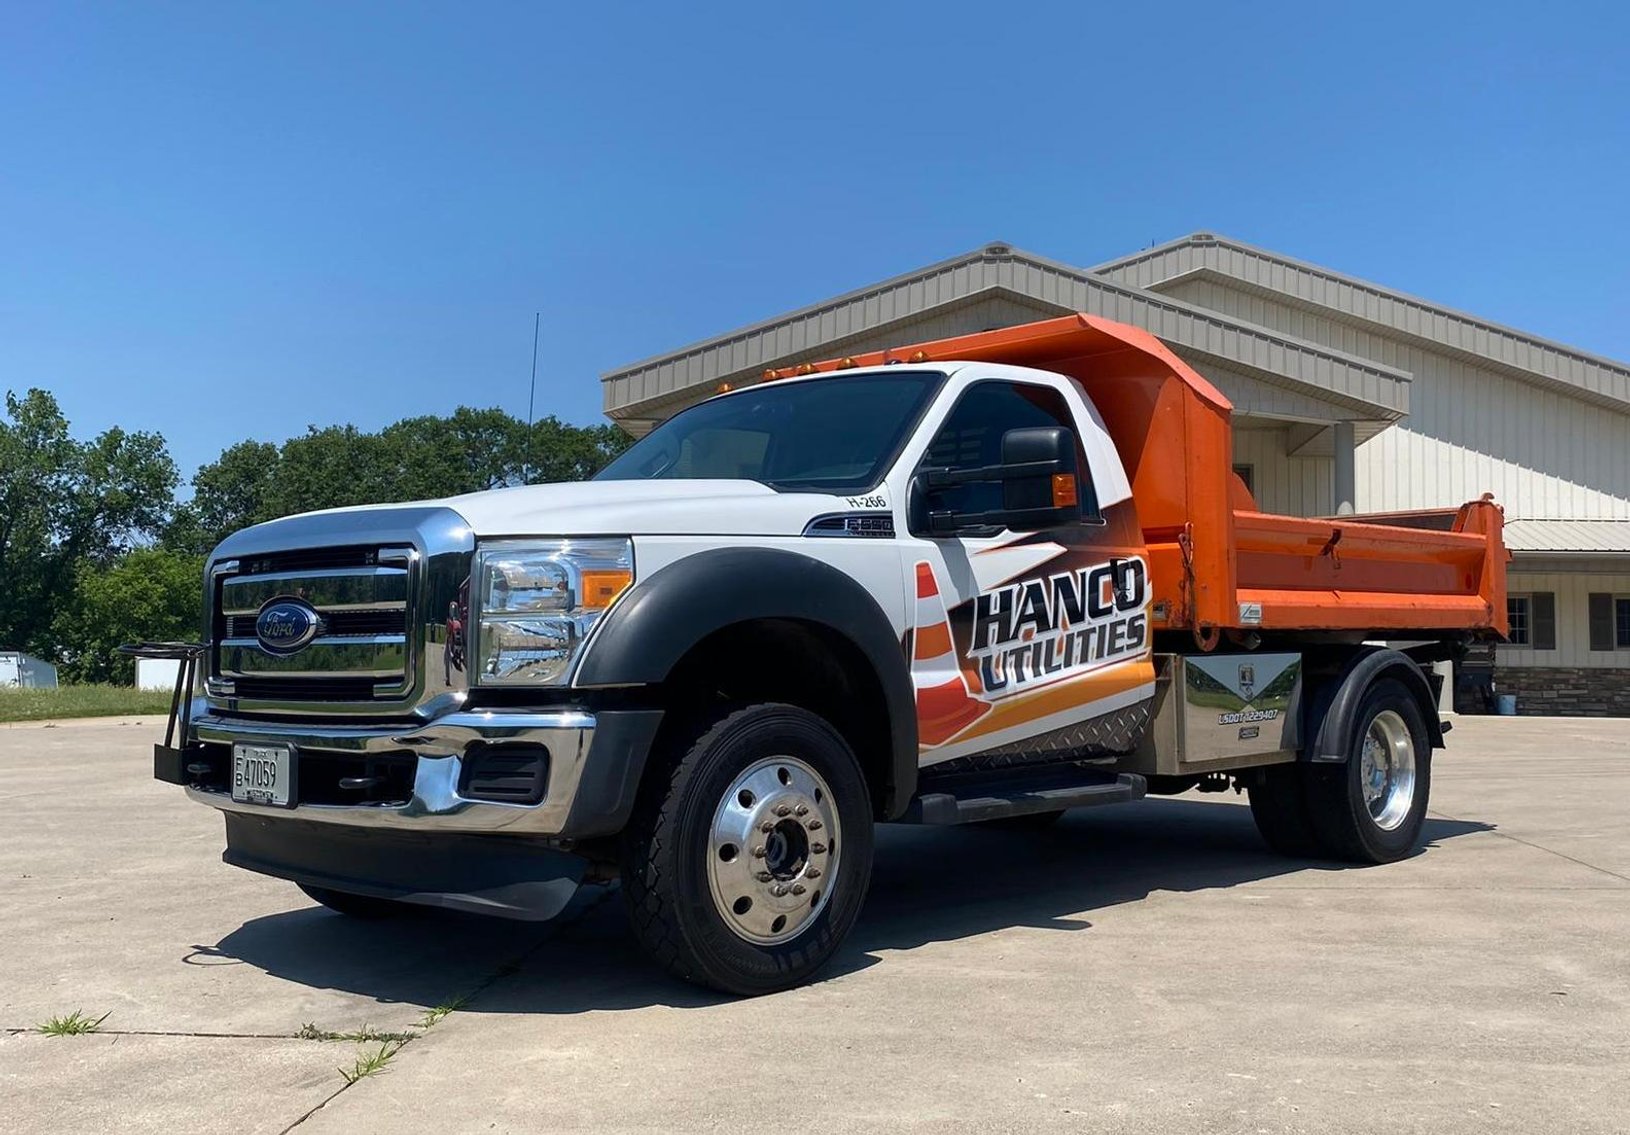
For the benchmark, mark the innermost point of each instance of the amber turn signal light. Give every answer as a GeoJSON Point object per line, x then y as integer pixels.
{"type": "Point", "coordinates": [602, 585]}
{"type": "Point", "coordinates": [1064, 495]}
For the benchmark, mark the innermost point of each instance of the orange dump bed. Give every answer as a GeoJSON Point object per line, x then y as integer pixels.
{"type": "Point", "coordinates": [1217, 562]}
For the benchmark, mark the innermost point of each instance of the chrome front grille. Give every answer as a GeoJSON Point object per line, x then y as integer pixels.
{"type": "Point", "coordinates": [364, 646]}
{"type": "Point", "coordinates": [388, 614]}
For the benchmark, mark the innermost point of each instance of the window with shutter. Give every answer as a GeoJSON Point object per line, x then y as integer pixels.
{"type": "Point", "coordinates": [1542, 620]}
{"type": "Point", "coordinates": [1518, 616]}
{"type": "Point", "coordinates": [1601, 621]}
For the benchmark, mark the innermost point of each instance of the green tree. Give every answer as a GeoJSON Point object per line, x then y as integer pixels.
{"type": "Point", "coordinates": [231, 492]}
{"type": "Point", "coordinates": [148, 593]}
{"type": "Point", "coordinates": [465, 453]}
{"type": "Point", "coordinates": [66, 504]}
{"type": "Point", "coordinates": [559, 452]}
{"type": "Point", "coordinates": [413, 459]}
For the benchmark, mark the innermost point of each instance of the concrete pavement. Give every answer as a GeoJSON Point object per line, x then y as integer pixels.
{"type": "Point", "coordinates": [1146, 967]}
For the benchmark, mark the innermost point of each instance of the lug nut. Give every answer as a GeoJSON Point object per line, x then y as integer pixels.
{"type": "Point", "coordinates": [814, 825]}
{"type": "Point", "coordinates": [802, 809]}
{"type": "Point", "coordinates": [763, 876]}
{"type": "Point", "coordinates": [758, 852]}
{"type": "Point", "coordinates": [797, 888]}
{"type": "Point", "coordinates": [812, 873]}
{"type": "Point", "coordinates": [766, 827]}
{"type": "Point", "coordinates": [778, 890]}
{"type": "Point", "coordinates": [783, 809]}
{"type": "Point", "coordinates": [817, 848]}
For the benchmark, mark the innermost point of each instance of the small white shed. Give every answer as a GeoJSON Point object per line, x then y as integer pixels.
{"type": "Point", "coordinates": [157, 673]}
{"type": "Point", "coordinates": [24, 670]}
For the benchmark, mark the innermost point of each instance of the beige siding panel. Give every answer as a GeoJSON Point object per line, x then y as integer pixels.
{"type": "Point", "coordinates": [1572, 592]}
{"type": "Point", "coordinates": [1293, 486]}
{"type": "Point", "coordinates": [1358, 299]}
{"type": "Point", "coordinates": [1471, 429]}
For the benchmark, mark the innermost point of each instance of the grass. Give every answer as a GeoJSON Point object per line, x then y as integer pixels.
{"type": "Point", "coordinates": [433, 1015]}
{"type": "Point", "coordinates": [364, 1035]}
{"type": "Point", "coordinates": [370, 1063]}
{"type": "Point", "coordinates": [81, 701]}
{"type": "Point", "coordinates": [74, 1024]}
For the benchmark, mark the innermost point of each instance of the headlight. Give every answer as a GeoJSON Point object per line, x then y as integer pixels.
{"type": "Point", "coordinates": [537, 600]}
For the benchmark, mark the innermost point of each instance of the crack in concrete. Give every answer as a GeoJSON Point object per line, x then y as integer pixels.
{"type": "Point", "coordinates": [162, 1032]}
{"type": "Point", "coordinates": [504, 969]}
{"type": "Point", "coordinates": [1536, 846]}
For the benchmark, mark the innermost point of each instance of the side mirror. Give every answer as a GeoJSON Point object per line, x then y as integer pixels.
{"type": "Point", "coordinates": [1040, 486]}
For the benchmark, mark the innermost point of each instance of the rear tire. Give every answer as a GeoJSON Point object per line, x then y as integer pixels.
{"type": "Point", "coordinates": [1372, 808]}
{"type": "Point", "coordinates": [747, 858]}
{"type": "Point", "coordinates": [353, 905]}
{"type": "Point", "coordinates": [1279, 807]}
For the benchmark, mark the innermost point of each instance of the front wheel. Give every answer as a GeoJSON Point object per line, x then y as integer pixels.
{"type": "Point", "coordinates": [747, 859]}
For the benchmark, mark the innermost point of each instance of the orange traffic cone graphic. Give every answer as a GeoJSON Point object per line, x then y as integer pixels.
{"type": "Point", "coordinates": [944, 705]}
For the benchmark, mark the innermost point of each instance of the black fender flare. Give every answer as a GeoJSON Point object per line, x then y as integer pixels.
{"type": "Point", "coordinates": [1335, 705]}
{"type": "Point", "coordinates": [651, 628]}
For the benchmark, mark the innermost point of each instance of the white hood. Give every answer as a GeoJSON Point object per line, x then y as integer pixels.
{"type": "Point", "coordinates": [642, 508]}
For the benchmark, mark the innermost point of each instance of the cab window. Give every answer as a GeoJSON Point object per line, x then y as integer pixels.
{"type": "Point", "coordinates": [971, 437]}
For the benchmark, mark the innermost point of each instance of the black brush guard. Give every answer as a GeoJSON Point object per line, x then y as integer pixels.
{"type": "Point", "coordinates": [176, 760]}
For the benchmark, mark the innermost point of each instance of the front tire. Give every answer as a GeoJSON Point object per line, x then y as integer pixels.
{"type": "Point", "coordinates": [747, 860]}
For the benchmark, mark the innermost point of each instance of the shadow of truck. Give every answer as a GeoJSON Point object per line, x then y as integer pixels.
{"type": "Point", "coordinates": [929, 885]}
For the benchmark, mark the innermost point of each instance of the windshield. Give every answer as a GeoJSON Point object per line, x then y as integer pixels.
{"type": "Point", "coordinates": [831, 434]}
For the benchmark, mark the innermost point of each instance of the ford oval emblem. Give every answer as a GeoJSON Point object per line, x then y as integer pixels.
{"type": "Point", "coordinates": [287, 626]}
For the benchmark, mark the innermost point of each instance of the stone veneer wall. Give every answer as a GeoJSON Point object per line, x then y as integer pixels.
{"type": "Point", "coordinates": [1563, 691]}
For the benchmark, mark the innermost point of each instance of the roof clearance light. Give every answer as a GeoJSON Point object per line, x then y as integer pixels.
{"type": "Point", "coordinates": [723, 388]}
{"type": "Point", "coordinates": [846, 362]}
{"type": "Point", "coordinates": [919, 357]}
{"type": "Point", "coordinates": [805, 368]}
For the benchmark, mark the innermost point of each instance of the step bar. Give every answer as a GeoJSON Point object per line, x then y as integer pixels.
{"type": "Point", "coordinates": [1018, 796]}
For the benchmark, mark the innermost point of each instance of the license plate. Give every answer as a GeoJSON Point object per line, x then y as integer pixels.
{"type": "Point", "coordinates": [263, 774]}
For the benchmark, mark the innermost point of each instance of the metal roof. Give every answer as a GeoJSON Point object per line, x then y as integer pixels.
{"type": "Point", "coordinates": [1368, 390]}
{"type": "Point", "coordinates": [1296, 281]}
{"type": "Point", "coordinates": [1587, 536]}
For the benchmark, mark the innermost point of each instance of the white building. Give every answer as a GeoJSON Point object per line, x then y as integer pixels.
{"type": "Point", "coordinates": [1348, 396]}
{"type": "Point", "coordinates": [25, 671]}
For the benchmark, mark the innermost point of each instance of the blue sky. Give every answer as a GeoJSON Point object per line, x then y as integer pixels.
{"type": "Point", "coordinates": [228, 220]}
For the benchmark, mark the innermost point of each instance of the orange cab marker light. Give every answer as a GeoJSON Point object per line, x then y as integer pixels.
{"type": "Point", "coordinates": [723, 388]}
{"type": "Point", "coordinates": [846, 362]}
{"type": "Point", "coordinates": [805, 368]}
{"type": "Point", "coordinates": [771, 375]}
{"type": "Point", "coordinates": [919, 357]}
{"type": "Point", "coordinates": [1064, 494]}
{"type": "Point", "coordinates": [601, 586]}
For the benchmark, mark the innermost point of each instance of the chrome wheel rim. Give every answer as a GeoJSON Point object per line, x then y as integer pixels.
{"type": "Point", "coordinates": [772, 850]}
{"type": "Point", "coordinates": [1387, 770]}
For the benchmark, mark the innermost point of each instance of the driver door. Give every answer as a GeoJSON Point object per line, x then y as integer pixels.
{"type": "Point", "coordinates": [1027, 647]}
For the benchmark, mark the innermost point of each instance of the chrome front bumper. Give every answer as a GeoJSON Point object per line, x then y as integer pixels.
{"type": "Point", "coordinates": [435, 805]}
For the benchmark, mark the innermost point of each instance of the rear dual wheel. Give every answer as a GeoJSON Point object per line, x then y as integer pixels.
{"type": "Point", "coordinates": [1368, 809]}
{"type": "Point", "coordinates": [747, 859]}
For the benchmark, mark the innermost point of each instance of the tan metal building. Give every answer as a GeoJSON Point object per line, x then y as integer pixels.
{"type": "Point", "coordinates": [1348, 396]}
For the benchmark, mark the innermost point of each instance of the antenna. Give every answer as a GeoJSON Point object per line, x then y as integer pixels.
{"type": "Point", "coordinates": [531, 400]}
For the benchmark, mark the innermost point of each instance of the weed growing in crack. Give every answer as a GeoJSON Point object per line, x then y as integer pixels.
{"type": "Point", "coordinates": [371, 1063]}
{"type": "Point", "coordinates": [74, 1024]}
{"type": "Point", "coordinates": [432, 1016]}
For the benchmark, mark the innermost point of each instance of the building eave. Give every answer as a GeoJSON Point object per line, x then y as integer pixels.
{"type": "Point", "coordinates": [1349, 298]}
{"type": "Point", "coordinates": [1372, 390]}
